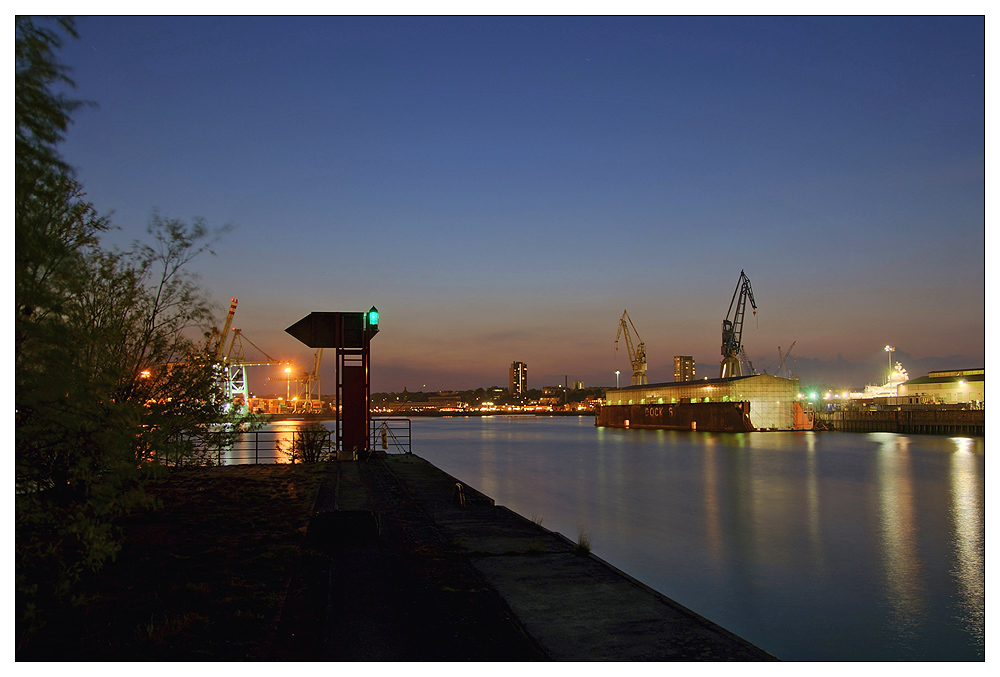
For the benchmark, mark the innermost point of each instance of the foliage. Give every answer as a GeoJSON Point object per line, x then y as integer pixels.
{"type": "Point", "coordinates": [41, 115]}
{"type": "Point", "coordinates": [108, 380]}
{"type": "Point", "coordinates": [309, 444]}
{"type": "Point", "coordinates": [582, 547]}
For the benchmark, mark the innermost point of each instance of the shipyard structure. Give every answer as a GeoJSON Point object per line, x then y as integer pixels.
{"type": "Point", "coordinates": [738, 404]}
{"type": "Point", "coordinates": [731, 403]}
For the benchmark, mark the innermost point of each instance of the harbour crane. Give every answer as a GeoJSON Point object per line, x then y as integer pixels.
{"type": "Point", "coordinates": [308, 391]}
{"type": "Point", "coordinates": [746, 360]}
{"type": "Point", "coordinates": [225, 330]}
{"type": "Point", "coordinates": [307, 385]}
{"type": "Point", "coordinates": [783, 370]}
{"type": "Point", "coordinates": [732, 328]}
{"type": "Point", "coordinates": [636, 355]}
{"type": "Point", "coordinates": [236, 364]}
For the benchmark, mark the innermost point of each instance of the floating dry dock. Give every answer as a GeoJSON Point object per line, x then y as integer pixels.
{"type": "Point", "coordinates": [406, 567]}
{"type": "Point", "coordinates": [739, 404]}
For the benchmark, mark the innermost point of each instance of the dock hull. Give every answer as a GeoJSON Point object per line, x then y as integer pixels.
{"type": "Point", "coordinates": [725, 417]}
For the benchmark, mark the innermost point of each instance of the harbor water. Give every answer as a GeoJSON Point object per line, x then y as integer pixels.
{"type": "Point", "coordinates": [813, 546]}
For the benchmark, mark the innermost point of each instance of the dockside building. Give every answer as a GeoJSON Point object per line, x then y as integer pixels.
{"type": "Point", "coordinates": [518, 374]}
{"type": "Point", "coordinates": [683, 368]}
{"type": "Point", "coordinates": [957, 386]}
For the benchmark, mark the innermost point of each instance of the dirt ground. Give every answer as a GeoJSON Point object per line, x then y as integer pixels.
{"type": "Point", "coordinates": [203, 578]}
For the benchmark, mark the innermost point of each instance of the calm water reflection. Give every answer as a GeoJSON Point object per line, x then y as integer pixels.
{"type": "Point", "coordinates": [270, 444]}
{"type": "Point", "coordinates": [814, 546]}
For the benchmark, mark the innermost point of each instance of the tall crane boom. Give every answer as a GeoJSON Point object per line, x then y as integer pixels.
{"type": "Point", "coordinates": [636, 355]}
{"type": "Point", "coordinates": [225, 330]}
{"type": "Point", "coordinates": [783, 369]}
{"type": "Point", "coordinates": [732, 328]}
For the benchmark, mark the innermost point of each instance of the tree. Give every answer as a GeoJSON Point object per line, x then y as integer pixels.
{"type": "Point", "coordinates": [41, 116]}
{"type": "Point", "coordinates": [107, 388]}
{"type": "Point", "coordinates": [113, 367]}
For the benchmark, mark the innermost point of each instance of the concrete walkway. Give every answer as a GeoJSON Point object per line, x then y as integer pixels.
{"type": "Point", "coordinates": [575, 607]}
{"type": "Point", "coordinates": [411, 570]}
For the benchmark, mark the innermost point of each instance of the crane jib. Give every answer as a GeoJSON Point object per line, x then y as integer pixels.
{"type": "Point", "coordinates": [732, 326]}
{"type": "Point", "coordinates": [636, 354]}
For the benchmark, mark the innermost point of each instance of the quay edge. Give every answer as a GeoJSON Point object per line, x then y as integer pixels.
{"type": "Point", "coordinates": [461, 578]}
{"type": "Point", "coordinates": [572, 604]}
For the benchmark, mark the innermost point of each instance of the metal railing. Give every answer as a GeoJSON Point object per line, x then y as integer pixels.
{"type": "Point", "coordinates": [391, 435]}
{"type": "Point", "coordinates": [292, 445]}
{"type": "Point", "coordinates": [274, 445]}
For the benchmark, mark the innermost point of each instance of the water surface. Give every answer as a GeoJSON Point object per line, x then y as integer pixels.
{"type": "Point", "coordinates": [814, 546]}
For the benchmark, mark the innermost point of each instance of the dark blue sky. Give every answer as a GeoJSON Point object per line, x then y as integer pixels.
{"type": "Point", "coordinates": [503, 188]}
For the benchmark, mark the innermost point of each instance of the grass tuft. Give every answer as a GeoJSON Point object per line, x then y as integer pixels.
{"type": "Point", "coordinates": [582, 544]}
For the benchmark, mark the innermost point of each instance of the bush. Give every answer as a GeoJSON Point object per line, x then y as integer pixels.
{"type": "Point", "coordinates": [309, 444]}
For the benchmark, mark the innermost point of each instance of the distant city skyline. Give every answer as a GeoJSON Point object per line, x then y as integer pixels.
{"type": "Point", "coordinates": [503, 188]}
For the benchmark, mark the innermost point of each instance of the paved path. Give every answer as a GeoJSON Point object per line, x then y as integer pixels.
{"type": "Point", "coordinates": [443, 578]}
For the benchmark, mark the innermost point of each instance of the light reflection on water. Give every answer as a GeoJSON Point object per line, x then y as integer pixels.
{"type": "Point", "coordinates": [272, 443]}
{"type": "Point", "coordinates": [815, 546]}
{"type": "Point", "coordinates": [901, 564]}
{"type": "Point", "coordinates": [967, 491]}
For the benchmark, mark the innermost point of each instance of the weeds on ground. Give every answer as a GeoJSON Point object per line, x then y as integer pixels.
{"type": "Point", "coordinates": [582, 544]}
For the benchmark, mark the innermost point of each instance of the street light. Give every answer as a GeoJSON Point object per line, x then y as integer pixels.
{"type": "Point", "coordinates": [616, 379]}
{"type": "Point", "coordinates": [288, 382]}
{"type": "Point", "coordinates": [888, 350]}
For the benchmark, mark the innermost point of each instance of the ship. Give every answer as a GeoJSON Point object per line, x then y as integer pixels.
{"type": "Point", "coordinates": [736, 404]}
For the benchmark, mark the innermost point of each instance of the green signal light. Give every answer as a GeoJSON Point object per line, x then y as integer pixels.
{"type": "Point", "coordinates": [373, 318]}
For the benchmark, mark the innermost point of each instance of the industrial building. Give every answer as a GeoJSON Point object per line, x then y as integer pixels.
{"type": "Point", "coordinates": [683, 368]}
{"type": "Point", "coordinates": [958, 386]}
{"type": "Point", "coordinates": [773, 400]}
{"type": "Point", "coordinates": [518, 379]}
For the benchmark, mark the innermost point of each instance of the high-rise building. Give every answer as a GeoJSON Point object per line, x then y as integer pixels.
{"type": "Point", "coordinates": [518, 379]}
{"type": "Point", "coordinates": [683, 368]}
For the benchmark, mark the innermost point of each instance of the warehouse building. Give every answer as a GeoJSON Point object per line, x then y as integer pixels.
{"type": "Point", "coordinates": [957, 386]}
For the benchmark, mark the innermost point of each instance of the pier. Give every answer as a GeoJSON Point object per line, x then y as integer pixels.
{"type": "Point", "coordinates": [408, 563]}
{"type": "Point", "coordinates": [907, 421]}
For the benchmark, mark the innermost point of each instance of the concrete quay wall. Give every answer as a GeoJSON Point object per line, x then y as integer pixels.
{"type": "Point", "coordinates": [912, 421]}
{"type": "Point", "coordinates": [420, 566]}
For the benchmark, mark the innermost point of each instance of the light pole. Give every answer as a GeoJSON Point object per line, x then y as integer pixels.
{"type": "Point", "coordinates": [888, 350]}
{"type": "Point", "coordinates": [288, 383]}
{"type": "Point", "coordinates": [616, 379]}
